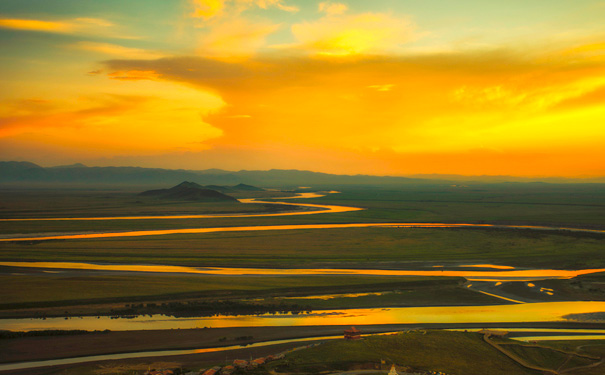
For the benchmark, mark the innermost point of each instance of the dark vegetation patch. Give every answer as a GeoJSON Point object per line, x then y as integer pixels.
{"type": "Point", "coordinates": [51, 332]}
{"type": "Point", "coordinates": [189, 191]}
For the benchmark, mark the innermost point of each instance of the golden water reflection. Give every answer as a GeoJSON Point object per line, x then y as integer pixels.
{"type": "Point", "coordinates": [487, 266]}
{"type": "Point", "coordinates": [522, 313]}
{"type": "Point", "coordinates": [500, 275]}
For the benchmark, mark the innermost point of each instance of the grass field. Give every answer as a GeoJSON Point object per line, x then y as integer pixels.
{"type": "Point", "coordinates": [452, 353]}
{"type": "Point", "coordinates": [575, 205]}
{"type": "Point", "coordinates": [54, 287]}
{"type": "Point", "coordinates": [448, 352]}
{"type": "Point", "coordinates": [87, 203]}
{"type": "Point", "coordinates": [589, 347]}
{"type": "Point", "coordinates": [349, 247]}
{"type": "Point", "coordinates": [55, 295]}
{"type": "Point", "coordinates": [539, 204]}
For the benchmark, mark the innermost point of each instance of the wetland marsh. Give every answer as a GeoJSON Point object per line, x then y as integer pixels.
{"type": "Point", "coordinates": [369, 268]}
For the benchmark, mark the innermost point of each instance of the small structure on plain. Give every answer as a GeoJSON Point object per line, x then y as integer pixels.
{"type": "Point", "coordinates": [352, 334]}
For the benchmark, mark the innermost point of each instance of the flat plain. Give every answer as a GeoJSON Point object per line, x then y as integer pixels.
{"type": "Point", "coordinates": [565, 209]}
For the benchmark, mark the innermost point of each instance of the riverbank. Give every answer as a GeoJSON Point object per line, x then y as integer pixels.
{"type": "Point", "coordinates": [25, 349]}
{"type": "Point", "coordinates": [153, 345]}
{"type": "Point", "coordinates": [48, 295]}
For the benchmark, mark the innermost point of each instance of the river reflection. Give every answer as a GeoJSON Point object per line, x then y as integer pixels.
{"type": "Point", "coordinates": [486, 266]}
{"type": "Point", "coordinates": [525, 313]}
{"type": "Point", "coordinates": [492, 275]}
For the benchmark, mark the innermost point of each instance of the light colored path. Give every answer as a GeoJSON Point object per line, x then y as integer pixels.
{"type": "Point", "coordinates": [501, 297]}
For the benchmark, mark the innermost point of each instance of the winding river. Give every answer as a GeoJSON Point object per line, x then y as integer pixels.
{"type": "Point", "coordinates": [486, 274]}
{"type": "Point", "coordinates": [311, 209]}
{"type": "Point", "coordinates": [510, 313]}
{"type": "Point", "coordinates": [514, 313]}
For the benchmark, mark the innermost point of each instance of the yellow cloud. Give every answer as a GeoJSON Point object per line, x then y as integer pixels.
{"type": "Point", "coordinates": [117, 50]}
{"type": "Point", "coordinates": [386, 87]}
{"type": "Point", "coordinates": [118, 123]}
{"type": "Point", "coordinates": [366, 33]}
{"type": "Point", "coordinates": [134, 75]}
{"type": "Point", "coordinates": [594, 52]}
{"type": "Point", "coordinates": [36, 25]}
{"type": "Point", "coordinates": [332, 8]}
{"type": "Point", "coordinates": [207, 8]}
{"type": "Point", "coordinates": [235, 38]}
{"type": "Point", "coordinates": [529, 96]}
{"type": "Point", "coordinates": [65, 26]}
{"type": "Point", "coordinates": [264, 4]}
{"type": "Point", "coordinates": [489, 106]}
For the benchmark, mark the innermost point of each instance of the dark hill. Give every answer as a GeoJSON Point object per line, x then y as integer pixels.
{"type": "Point", "coordinates": [189, 191]}
{"type": "Point", "coordinates": [222, 189]}
{"type": "Point", "coordinates": [247, 187]}
{"type": "Point", "coordinates": [20, 171]}
{"type": "Point", "coordinates": [76, 165]}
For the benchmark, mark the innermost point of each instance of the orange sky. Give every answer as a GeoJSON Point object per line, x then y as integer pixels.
{"type": "Point", "coordinates": [340, 87]}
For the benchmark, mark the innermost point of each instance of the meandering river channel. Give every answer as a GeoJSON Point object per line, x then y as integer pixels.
{"type": "Point", "coordinates": [510, 313]}
{"type": "Point", "coordinates": [515, 313]}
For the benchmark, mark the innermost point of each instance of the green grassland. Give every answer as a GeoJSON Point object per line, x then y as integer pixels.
{"type": "Point", "coordinates": [451, 353]}
{"type": "Point", "coordinates": [588, 347]}
{"type": "Point", "coordinates": [560, 355]}
{"type": "Point", "coordinates": [541, 357]}
{"type": "Point", "coordinates": [579, 205]}
{"type": "Point", "coordinates": [347, 247]}
{"type": "Point", "coordinates": [433, 350]}
{"type": "Point", "coordinates": [448, 352]}
{"type": "Point", "coordinates": [437, 295]}
{"type": "Point", "coordinates": [78, 295]}
{"type": "Point", "coordinates": [86, 203]}
{"type": "Point", "coordinates": [56, 287]}
{"type": "Point", "coordinates": [574, 205]}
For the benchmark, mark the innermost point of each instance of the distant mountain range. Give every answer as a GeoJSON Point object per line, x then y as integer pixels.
{"type": "Point", "coordinates": [14, 173]}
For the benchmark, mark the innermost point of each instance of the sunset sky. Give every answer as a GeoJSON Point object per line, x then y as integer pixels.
{"type": "Point", "coordinates": [387, 87]}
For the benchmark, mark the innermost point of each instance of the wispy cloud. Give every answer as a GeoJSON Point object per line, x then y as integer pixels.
{"type": "Point", "coordinates": [349, 34]}
{"type": "Point", "coordinates": [207, 9]}
{"type": "Point", "coordinates": [332, 8]}
{"type": "Point", "coordinates": [123, 123]}
{"type": "Point", "coordinates": [57, 26]}
{"type": "Point", "coordinates": [134, 75]}
{"type": "Point", "coordinates": [280, 4]}
{"type": "Point", "coordinates": [117, 50]}
{"type": "Point", "coordinates": [37, 25]}
{"type": "Point", "coordinates": [386, 87]}
{"type": "Point", "coordinates": [85, 26]}
{"type": "Point", "coordinates": [235, 38]}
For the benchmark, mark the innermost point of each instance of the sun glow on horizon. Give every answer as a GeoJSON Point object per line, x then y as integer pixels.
{"type": "Point", "coordinates": [339, 87]}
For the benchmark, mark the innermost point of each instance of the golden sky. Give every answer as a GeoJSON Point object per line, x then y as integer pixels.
{"type": "Point", "coordinates": [374, 87]}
